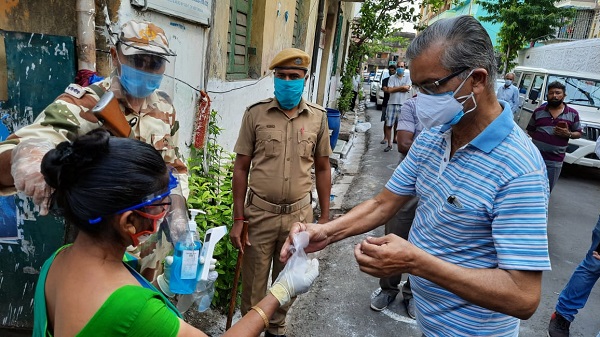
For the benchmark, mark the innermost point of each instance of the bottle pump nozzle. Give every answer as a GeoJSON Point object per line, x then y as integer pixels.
{"type": "Point", "coordinates": [192, 223]}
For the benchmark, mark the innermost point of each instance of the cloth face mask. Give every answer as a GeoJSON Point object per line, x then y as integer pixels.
{"type": "Point", "coordinates": [289, 93]}
{"type": "Point", "coordinates": [139, 83]}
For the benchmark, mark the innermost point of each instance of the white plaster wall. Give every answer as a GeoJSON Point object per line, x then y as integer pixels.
{"type": "Point", "coordinates": [582, 55]}
{"type": "Point", "coordinates": [189, 42]}
{"type": "Point", "coordinates": [230, 100]}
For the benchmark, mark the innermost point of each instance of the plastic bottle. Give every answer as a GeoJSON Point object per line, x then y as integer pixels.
{"type": "Point", "coordinates": [185, 268]}
{"type": "Point", "coordinates": [206, 292]}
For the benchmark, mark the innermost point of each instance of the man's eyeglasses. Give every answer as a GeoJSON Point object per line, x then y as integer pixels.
{"type": "Point", "coordinates": [431, 88]}
{"type": "Point", "coordinates": [150, 201]}
{"type": "Point", "coordinates": [144, 61]}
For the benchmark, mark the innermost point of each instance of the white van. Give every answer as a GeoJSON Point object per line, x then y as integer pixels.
{"type": "Point", "coordinates": [583, 94]}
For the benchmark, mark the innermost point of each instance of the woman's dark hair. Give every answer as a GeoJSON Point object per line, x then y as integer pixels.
{"type": "Point", "coordinates": [97, 175]}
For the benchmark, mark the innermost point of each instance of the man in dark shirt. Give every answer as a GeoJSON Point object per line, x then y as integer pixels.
{"type": "Point", "coordinates": [551, 126]}
{"type": "Point", "coordinates": [386, 97]}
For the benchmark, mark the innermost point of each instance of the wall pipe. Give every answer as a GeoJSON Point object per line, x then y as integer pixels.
{"type": "Point", "coordinates": [86, 37]}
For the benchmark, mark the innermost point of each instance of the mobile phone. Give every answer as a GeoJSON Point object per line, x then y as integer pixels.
{"type": "Point", "coordinates": [562, 124]}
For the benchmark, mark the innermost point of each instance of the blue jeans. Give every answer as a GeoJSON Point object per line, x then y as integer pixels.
{"type": "Point", "coordinates": [577, 291]}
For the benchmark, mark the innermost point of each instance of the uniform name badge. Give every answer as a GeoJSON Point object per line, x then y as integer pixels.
{"type": "Point", "coordinates": [75, 90]}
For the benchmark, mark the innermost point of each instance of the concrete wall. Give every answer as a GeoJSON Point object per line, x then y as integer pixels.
{"type": "Point", "coordinates": [39, 16]}
{"type": "Point", "coordinates": [582, 55]}
{"type": "Point", "coordinates": [270, 33]}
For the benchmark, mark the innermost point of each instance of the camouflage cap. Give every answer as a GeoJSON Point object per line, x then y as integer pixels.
{"type": "Point", "coordinates": [143, 37]}
{"type": "Point", "coordinates": [290, 58]}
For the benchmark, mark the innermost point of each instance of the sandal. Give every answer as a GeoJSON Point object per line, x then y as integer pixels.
{"type": "Point", "coordinates": [387, 149]}
{"type": "Point", "coordinates": [383, 141]}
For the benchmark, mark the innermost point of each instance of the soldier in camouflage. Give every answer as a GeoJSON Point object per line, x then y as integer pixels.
{"type": "Point", "coordinates": [140, 55]}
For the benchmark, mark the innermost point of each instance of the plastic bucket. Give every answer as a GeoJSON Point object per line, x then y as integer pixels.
{"type": "Point", "coordinates": [333, 119]}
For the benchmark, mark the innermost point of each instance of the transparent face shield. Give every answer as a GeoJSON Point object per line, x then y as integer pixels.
{"type": "Point", "coordinates": [176, 220]}
{"type": "Point", "coordinates": [141, 75]}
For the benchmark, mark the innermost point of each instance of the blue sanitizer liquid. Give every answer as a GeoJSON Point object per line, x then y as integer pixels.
{"type": "Point", "coordinates": [185, 269]}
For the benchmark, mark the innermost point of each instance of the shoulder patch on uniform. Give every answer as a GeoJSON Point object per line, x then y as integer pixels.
{"type": "Point", "coordinates": [75, 90]}
{"type": "Point", "coordinates": [317, 106]}
{"type": "Point", "coordinates": [268, 100]}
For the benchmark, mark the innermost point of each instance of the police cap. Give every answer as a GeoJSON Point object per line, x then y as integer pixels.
{"type": "Point", "coordinates": [290, 58]}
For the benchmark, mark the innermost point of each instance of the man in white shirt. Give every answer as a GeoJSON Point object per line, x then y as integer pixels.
{"type": "Point", "coordinates": [398, 87]}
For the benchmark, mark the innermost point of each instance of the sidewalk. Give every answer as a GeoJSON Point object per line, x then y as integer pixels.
{"type": "Point", "coordinates": [346, 158]}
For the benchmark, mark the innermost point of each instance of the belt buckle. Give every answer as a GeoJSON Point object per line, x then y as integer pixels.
{"type": "Point", "coordinates": [286, 209]}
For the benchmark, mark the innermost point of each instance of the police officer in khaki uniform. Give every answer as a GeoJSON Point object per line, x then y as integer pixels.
{"type": "Point", "coordinates": [140, 54]}
{"type": "Point", "coordinates": [279, 141]}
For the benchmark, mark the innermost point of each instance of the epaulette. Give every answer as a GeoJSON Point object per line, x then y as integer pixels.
{"type": "Point", "coordinates": [264, 101]}
{"type": "Point", "coordinates": [314, 105]}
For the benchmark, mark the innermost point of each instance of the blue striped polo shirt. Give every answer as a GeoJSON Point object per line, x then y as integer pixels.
{"type": "Point", "coordinates": [486, 207]}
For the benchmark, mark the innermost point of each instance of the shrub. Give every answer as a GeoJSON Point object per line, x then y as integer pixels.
{"type": "Point", "coordinates": [211, 173]}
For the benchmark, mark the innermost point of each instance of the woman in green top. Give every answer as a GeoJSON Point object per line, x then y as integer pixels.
{"type": "Point", "coordinates": [116, 191]}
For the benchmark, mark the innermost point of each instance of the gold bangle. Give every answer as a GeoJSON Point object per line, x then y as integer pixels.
{"type": "Point", "coordinates": [262, 314]}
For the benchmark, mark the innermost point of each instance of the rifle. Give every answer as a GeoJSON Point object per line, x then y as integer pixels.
{"type": "Point", "coordinates": [108, 112]}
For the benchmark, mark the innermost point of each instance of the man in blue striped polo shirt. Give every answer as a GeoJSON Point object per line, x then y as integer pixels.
{"type": "Point", "coordinates": [478, 244]}
{"type": "Point", "coordinates": [551, 126]}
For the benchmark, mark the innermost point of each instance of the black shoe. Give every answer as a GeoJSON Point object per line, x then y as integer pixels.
{"type": "Point", "coordinates": [268, 334]}
{"type": "Point", "coordinates": [559, 326]}
{"type": "Point", "coordinates": [387, 149]}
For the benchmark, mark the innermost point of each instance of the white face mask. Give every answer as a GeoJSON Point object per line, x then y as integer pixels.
{"type": "Point", "coordinates": [444, 108]}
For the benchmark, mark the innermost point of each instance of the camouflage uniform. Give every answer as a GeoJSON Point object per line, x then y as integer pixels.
{"type": "Point", "coordinates": [70, 116]}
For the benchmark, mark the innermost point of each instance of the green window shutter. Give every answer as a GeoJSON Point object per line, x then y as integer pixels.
{"type": "Point", "coordinates": [336, 43]}
{"type": "Point", "coordinates": [239, 38]}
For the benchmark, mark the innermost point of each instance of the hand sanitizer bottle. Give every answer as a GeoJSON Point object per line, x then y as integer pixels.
{"type": "Point", "coordinates": [185, 268]}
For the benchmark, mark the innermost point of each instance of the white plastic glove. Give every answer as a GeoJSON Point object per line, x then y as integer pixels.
{"type": "Point", "coordinates": [26, 170]}
{"type": "Point", "coordinates": [213, 263]}
{"type": "Point", "coordinates": [163, 279]}
{"type": "Point", "coordinates": [299, 272]}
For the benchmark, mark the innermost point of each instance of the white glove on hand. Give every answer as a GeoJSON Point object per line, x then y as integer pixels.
{"type": "Point", "coordinates": [213, 263]}
{"type": "Point", "coordinates": [164, 278]}
{"type": "Point", "coordinates": [26, 170]}
{"type": "Point", "coordinates": [298, 275]}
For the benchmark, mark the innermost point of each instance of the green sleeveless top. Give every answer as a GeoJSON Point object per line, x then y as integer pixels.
{"type": "Point", "coordinates": [129, 311]}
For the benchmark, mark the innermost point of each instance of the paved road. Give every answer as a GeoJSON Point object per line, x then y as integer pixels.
{"type": "Point", "coordinates": [338, 304]}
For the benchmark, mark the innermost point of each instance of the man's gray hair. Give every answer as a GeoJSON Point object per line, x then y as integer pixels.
{"type": "Point", "coordinates": [465, 44]}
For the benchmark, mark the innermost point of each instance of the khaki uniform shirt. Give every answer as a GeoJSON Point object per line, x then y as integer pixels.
{"type": "Point", "coordinates": [282, 148]}
{"type": "Point", "coordinates": [70, 116]}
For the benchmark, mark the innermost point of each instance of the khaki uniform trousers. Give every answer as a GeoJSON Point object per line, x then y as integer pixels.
{"type": "Point", "coordinates": [267, 233]}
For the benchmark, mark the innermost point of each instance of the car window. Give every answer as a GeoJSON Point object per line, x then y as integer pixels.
{"type": "Point", "coordinates": [580, 91]}
{"type": "Point", "coordinates": [525, 83]}
{"type": "Point", "coordinates": [536, 89]}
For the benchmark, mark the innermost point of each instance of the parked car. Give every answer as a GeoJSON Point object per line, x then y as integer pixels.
{"type": "Point", "coordinates": [582, 94]}
{"type": "Point", "coordinates": [499, 82]}
{"type": "Point", "coordinates": [379, 92]}
{"type": "Point", "coordinates": [373, 86]}
{"type": "Point", "coordinates": [366, 75]}
{"type": "Point", "coordinates": [371, 76]}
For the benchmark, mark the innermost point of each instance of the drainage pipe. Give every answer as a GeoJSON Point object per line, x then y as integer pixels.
{"type": "Point", "coordinates": [86, 37]}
